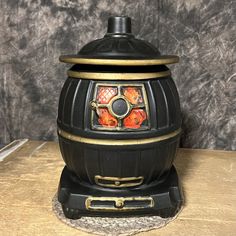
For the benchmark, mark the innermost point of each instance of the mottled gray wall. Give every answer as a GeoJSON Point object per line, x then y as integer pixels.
{"type": "Point", "coordinates": [34, 33]}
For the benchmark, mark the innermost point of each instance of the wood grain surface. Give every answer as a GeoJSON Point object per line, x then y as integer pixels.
{"type": "Point", "coordinates": [29, 178]}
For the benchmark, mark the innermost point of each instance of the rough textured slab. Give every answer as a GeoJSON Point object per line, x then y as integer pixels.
{"type": "Point", "coordinates": [29, 179]}
{"type": "Point", "coordinates": [106, 226]}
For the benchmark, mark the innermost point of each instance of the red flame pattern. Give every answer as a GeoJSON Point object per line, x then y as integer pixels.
{"type": "Point", "coordinates": [105, 94]}
{"type": "Point", "coordinates": [135, 118]}
{"type": "Point", "coordinates": [133, 94]}
{"type": "Point", "coordinates": [106, 119]}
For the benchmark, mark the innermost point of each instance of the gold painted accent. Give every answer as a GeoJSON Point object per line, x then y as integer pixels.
{"type": "Point", "coordinates": [163, 60]}
{"type": "Point", "coordinates": [129, 106]}
{"type": "Point", "coordinates": [119, 87]}
{"type": "Point", "coordinates": [116, 142]}
{"type": "Point", "coordinates": [93, 104]}
{"type": "Point", "coordinates": [119, 203]}
{"type": "Point", "coordinates": [117, 181]}
{"type": "Point", "coordinates": [118, 76]}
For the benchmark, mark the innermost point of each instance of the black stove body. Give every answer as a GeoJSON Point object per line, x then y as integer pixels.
{"type": "Point", "coordinates": [119, 127]}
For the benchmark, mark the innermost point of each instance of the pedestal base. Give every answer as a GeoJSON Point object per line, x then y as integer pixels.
{"type": "Point", "coordinates": [77, 199]}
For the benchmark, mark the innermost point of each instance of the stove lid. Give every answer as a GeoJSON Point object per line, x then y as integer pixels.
{"type": "Point", "coordinates": [119, 47]}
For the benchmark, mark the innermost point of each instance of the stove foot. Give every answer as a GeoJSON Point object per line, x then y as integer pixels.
{"type": "Point", "coordinates": [71, 213]}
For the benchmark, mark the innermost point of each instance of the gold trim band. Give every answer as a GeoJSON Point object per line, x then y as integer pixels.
{"type": "Point", "coordinates": [120, 62]}
{"type": "Point", "coordinates": [118, 76]}
{"type": "Point", "coordinates": [118, 182]}
{"type": "Point", "coordinates": [117, 203]}
{"type": "Point", "coordinates": [117, 142]}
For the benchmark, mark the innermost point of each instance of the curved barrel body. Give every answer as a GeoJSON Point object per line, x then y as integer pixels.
{"type": "Point", "coordinates": [134, 148]}
{"type": "Point", "coordinates": [119, 128]}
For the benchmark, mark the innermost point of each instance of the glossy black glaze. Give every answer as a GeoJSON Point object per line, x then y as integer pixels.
{"type": "Point", "coordinates": [153, 161]}
{"type": "Point", "coordinates": [119, 43]}
{"type": "Point", "coordinates": [167, 197]}
{"type": "Point", "coordinates": [119, 25]}
{"type": "Point", "coordinates": [74, 113]}
{"type": "Point", "coordinates": [119, 107]}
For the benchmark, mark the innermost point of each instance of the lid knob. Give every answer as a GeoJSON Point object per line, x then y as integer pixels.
{"type": "Point", "coordinates": [119, 25]}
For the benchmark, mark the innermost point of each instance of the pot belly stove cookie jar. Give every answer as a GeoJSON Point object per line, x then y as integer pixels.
{"type": "Point", "coordinates": [119, 128]}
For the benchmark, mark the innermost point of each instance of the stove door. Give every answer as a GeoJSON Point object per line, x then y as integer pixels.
{"type": "Point", "coordinates": [120, 107]}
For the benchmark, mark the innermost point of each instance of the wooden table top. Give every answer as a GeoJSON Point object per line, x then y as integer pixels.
{"type": "Point", "coordinates": [30, 175]}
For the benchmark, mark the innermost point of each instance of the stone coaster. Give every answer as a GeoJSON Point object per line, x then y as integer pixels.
{"type": "Point", "coordinates": [112, 226]}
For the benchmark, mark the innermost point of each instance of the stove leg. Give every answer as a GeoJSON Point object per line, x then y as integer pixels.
{"type": "Point", "coordinates": [71, 213]}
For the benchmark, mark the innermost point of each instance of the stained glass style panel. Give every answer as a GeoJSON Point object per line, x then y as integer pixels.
{"type": "Point", "coordinates": [105, 94]}
{"type": "Point", "coordinates": [106, 119]}
{"type": "Point", "coordinates": [133, 94]}
{"type": "Point", "coordinates": [135, 119]}
{"type": "Point", "coordinates": [107, 99]}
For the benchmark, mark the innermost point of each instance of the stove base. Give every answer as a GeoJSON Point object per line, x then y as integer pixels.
{"type": "Point", "coordinates": [163, 199]}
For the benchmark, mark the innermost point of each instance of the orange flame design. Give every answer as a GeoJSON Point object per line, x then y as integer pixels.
{"type": "Point", "coordinates": [106, 119]}
{"type": "Point", "coordinates": [135, 119]}
{"type": "Point", "coordinates": [133, 95]}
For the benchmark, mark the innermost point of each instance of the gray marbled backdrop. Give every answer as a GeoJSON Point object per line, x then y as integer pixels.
{"type": "Point", "coordinates": [34, 33]}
